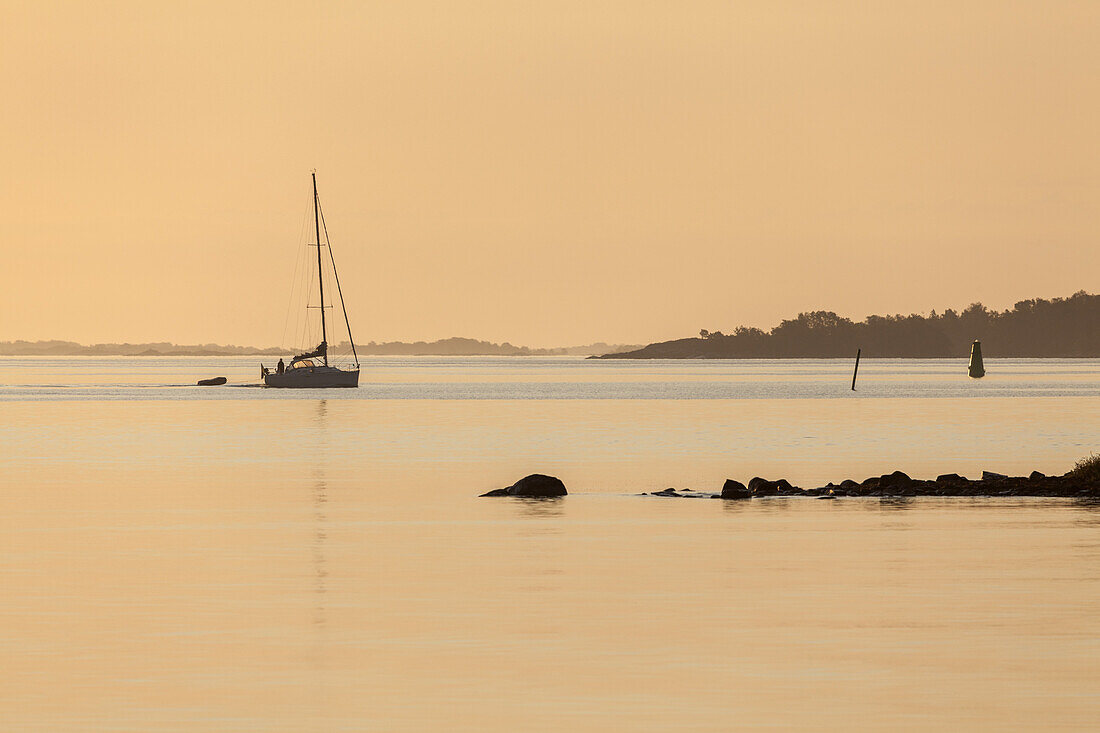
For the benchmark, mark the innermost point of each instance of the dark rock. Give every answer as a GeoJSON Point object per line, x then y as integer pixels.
{"type": "Point", "coordinates": [762, 487]}
{"type": "Point", "coordinates": [535, 485]}
{"type": "Point", "coordinates": [826, 496]}
{"type": "Point", "coordinates": [212, 382]}
{"type": "Point", "coordinates": [735, 490]}
{"type": "Point", "coordinates": [756, 482]}
{"type": "Point", "coordinates": [783, 486]}
{"type": "Point", "coordinates": [671, 493]}
{"type": "Point", "coordinates": [892, 486]}
{"type": "Point", "coordinates": [538, 484]}
{"type": "Point", "coordinates": [497, 492]}
{"type": "Point", "coordinates": [896, 481]}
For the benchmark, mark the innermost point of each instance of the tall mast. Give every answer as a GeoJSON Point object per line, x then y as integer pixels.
{"type": "Point", "coordinates": [320, 272]}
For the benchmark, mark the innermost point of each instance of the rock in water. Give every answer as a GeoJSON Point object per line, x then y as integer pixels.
{"type": "Point", "coordinates": [497, 492]}
{"type": "Point", "coordinates": [783, 486]}
{"type": "Point", "coordinates": [535, 485]}
{"type": "Point", "coordinates": [897, 481]}
{"type": "Point", "coordinates": [735, 490]}
{"type": "Point", "coordinates": [991, 476]}
{"type": "Point", "coordinates": [762, 487]}
{"type": "Point", "coordinates": [538, 484]}
{"type": "Point", "coordinates": [212, 382]}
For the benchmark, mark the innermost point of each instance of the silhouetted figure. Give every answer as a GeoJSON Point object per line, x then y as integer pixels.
{"type": "Point", "coordinates": [280, 368]}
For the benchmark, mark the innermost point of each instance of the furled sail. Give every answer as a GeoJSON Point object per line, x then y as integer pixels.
{"type": "Point", "coordinates": [321, 350]}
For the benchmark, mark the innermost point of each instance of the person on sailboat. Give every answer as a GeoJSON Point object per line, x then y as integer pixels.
{"type": "Point", "coordinates": [280, 368]}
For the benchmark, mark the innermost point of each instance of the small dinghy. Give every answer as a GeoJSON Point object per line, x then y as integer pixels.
{"type": "Point", "coordinates": [212, 382]}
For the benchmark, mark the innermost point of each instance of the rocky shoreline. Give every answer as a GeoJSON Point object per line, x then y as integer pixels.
{"type": "Point", "coordinates": [1071, 485]}
{"type": "Point", "coordinates": [1082, 482]}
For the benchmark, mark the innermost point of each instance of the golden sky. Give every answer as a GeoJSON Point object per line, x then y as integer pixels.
{"type": "Point", "coordinates": [546, 173]}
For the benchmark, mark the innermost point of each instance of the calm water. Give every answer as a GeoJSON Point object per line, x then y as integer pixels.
{"type": "Point", "coordinates": [176, 558]}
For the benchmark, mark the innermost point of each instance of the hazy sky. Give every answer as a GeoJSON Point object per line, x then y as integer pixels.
{"type": "Point", "coordinates": [547, 173]}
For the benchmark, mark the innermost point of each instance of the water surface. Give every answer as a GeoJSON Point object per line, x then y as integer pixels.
{"type": "Point", "coordinates": [177, 558]}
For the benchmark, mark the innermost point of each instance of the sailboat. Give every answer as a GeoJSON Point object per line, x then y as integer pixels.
{"type": "Point", "coordinates": [311, 369]}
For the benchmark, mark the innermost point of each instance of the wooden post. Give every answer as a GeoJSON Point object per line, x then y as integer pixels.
{"type": "Point", "coordinates": [856, 370]}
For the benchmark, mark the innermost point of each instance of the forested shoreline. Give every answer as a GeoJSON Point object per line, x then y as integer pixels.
{"type": "Point", "coordinates": [1061, 327]}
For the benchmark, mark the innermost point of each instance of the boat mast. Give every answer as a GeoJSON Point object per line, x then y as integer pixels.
{"type": "Point", "coordinates": [320, 272]}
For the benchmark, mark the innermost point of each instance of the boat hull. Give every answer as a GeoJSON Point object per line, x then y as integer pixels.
{"type": "Point", "coordinates": [318, 377]}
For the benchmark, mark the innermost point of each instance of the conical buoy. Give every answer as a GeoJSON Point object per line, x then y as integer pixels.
{"type": "Point", "coordinates": [976, 368]}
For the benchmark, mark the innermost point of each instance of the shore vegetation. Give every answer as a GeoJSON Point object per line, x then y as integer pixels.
{"type": "Point", "coordinates": [1057, 328]}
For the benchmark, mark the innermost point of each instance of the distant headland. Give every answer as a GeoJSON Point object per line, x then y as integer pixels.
{"type": "Point", "coordinates": [1062, 327]}
{"type": "Point", "coordinates": [443, 347]}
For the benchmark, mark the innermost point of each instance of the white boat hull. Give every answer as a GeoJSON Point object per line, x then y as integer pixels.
{"type": "Point", "coordinates": [314, 377]}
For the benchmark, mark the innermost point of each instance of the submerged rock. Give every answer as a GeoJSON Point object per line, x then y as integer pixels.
{"type": "Point", "coordinates": [683, 494]}
{"type": "Point", "coordinates": [735, 490]}
{"type": "Point", "coordinates": [536, 485]}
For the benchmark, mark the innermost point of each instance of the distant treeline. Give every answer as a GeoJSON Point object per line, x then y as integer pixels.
{"type": "Point", "coordinates": [1062, 327]}
{"type": "Point", "coordinates": [160, 348]}
{"type": "Point", "coordinates": [444, 347]}
{"type": "Point", "coordinates": [472, 347]}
